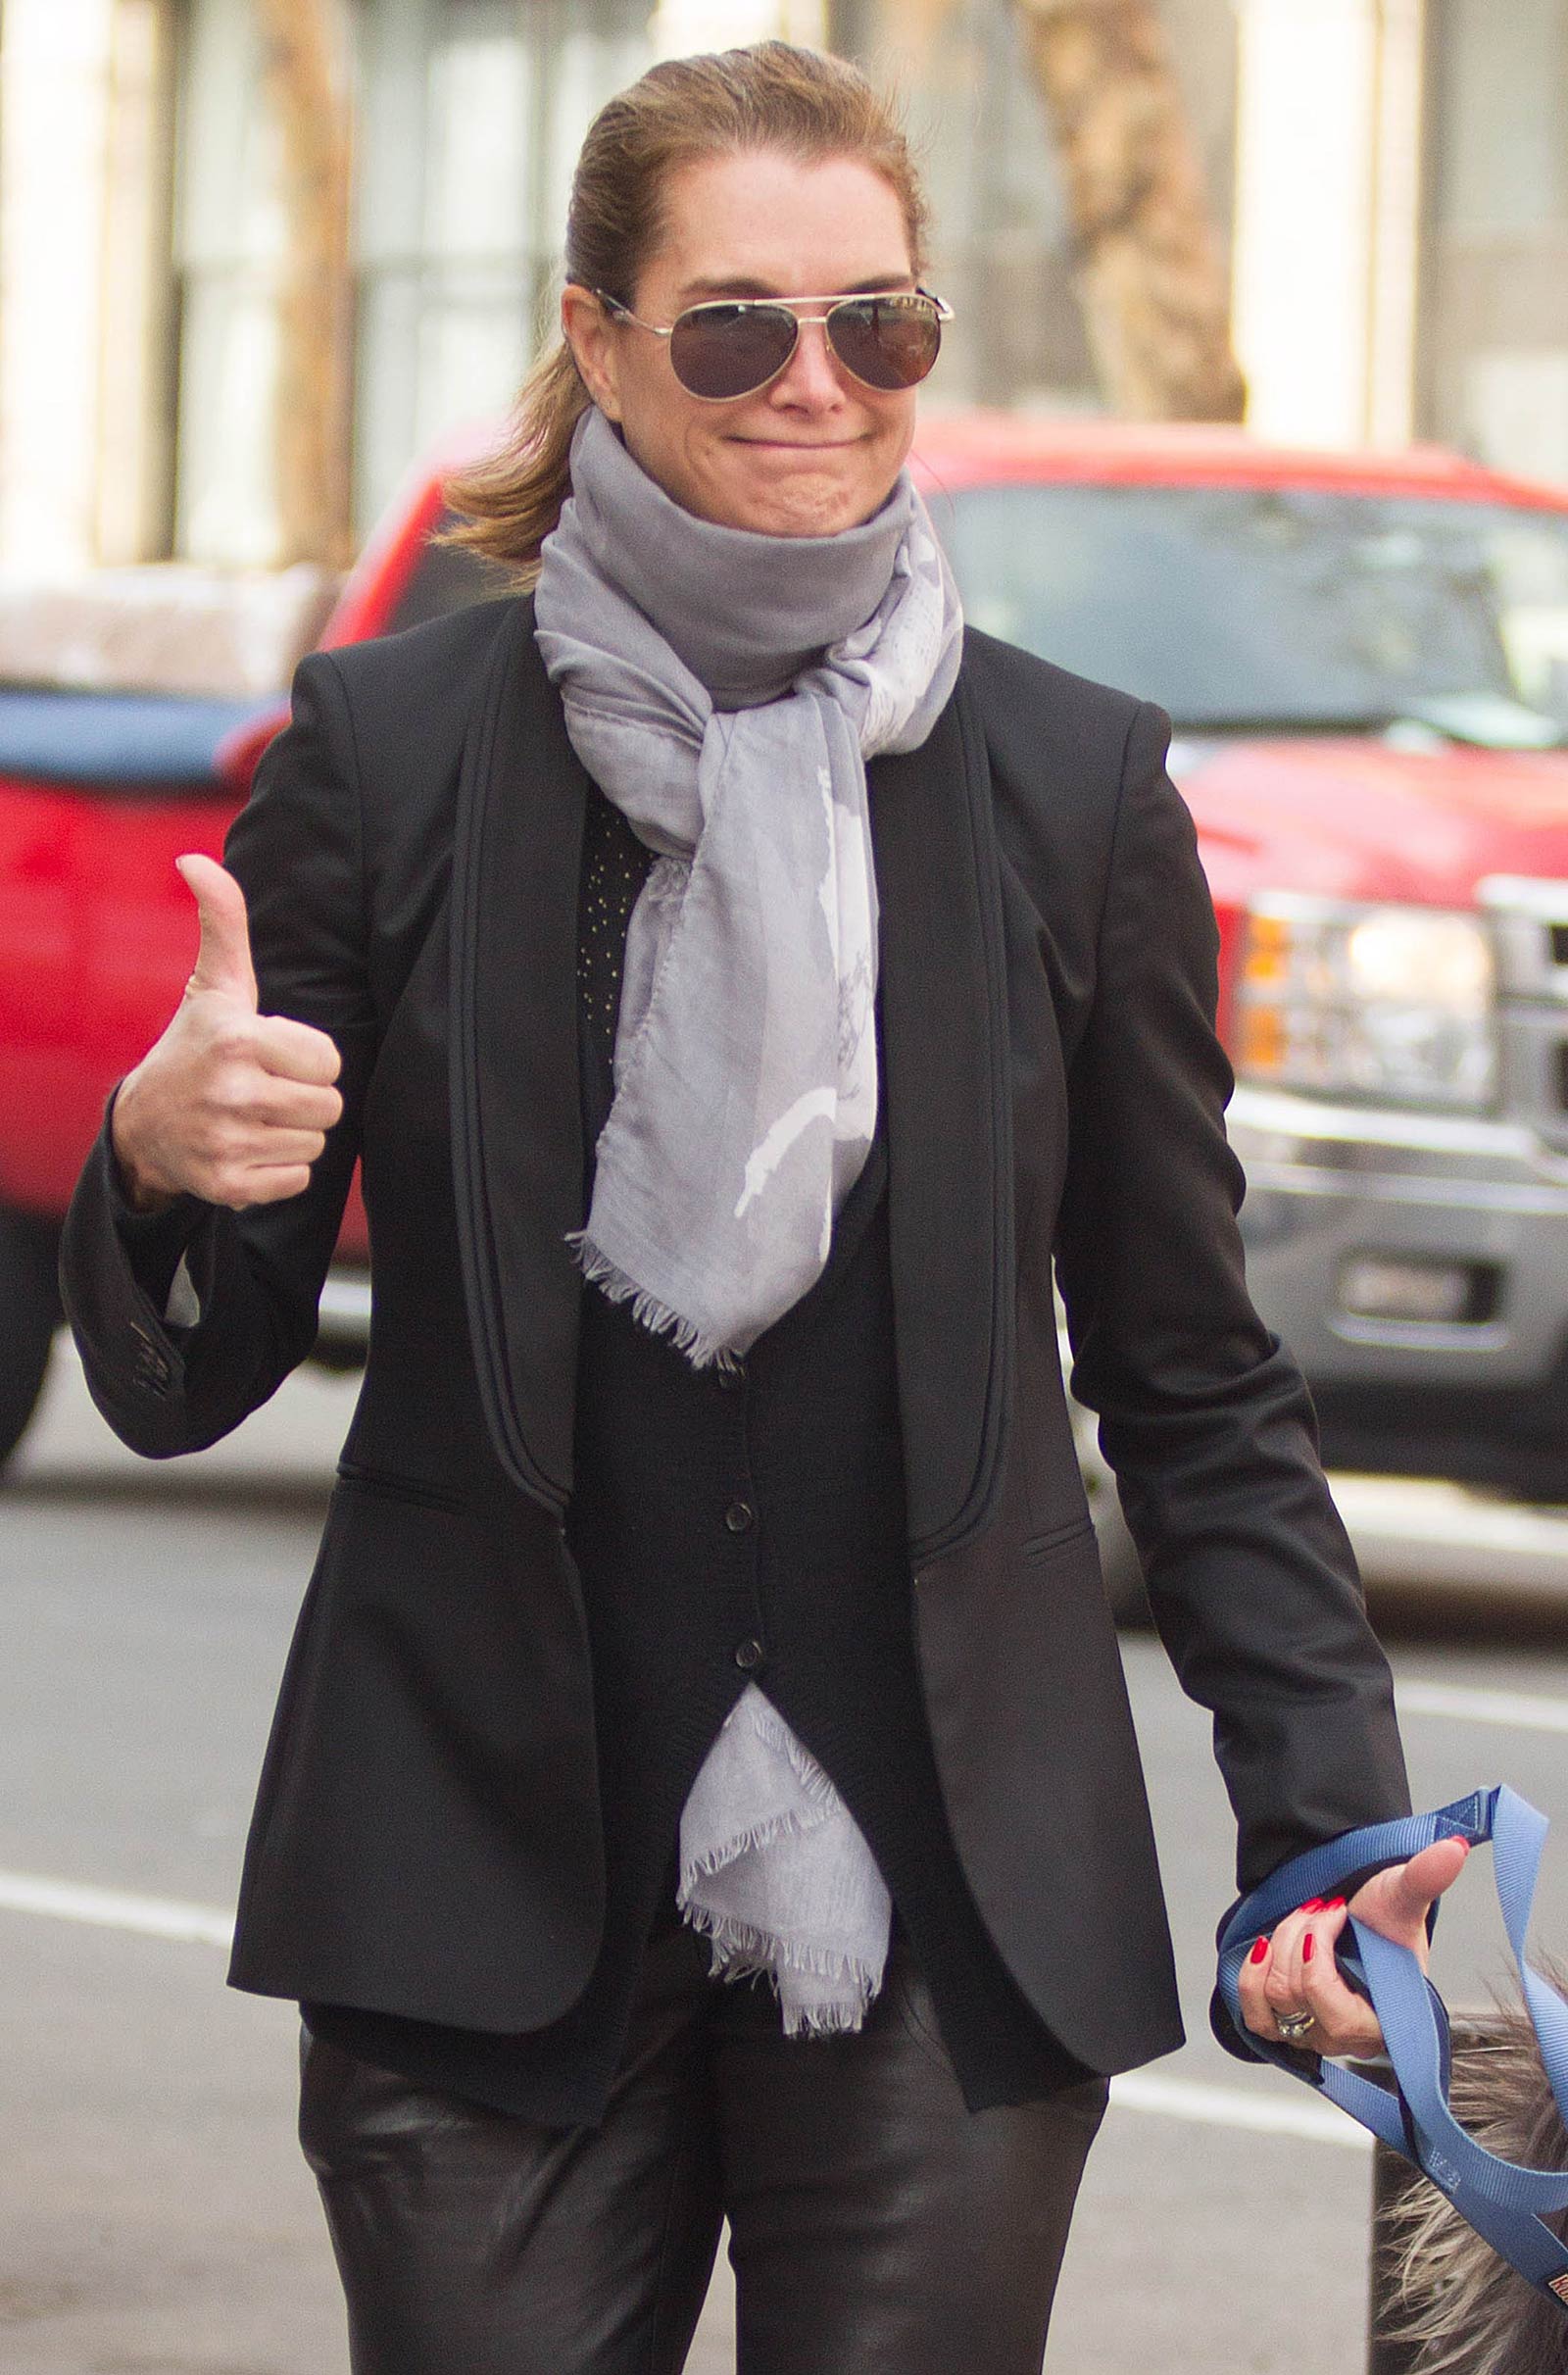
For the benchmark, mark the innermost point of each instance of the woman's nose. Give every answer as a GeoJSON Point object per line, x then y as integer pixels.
{"type": "Point", "coordinates": [813, 375]}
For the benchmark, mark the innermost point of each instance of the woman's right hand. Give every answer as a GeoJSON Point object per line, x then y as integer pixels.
{"type": "Point", "coordinates": [231, 1105]}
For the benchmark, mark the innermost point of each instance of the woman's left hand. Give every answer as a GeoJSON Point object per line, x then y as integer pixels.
{"type": "Point", "coordinates": [1295, 1972]}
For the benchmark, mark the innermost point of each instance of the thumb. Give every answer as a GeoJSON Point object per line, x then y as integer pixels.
{"type": "Point", "coordinates": [224, 957]}
{"type": "Point", "coordinates": [1397, 1900]}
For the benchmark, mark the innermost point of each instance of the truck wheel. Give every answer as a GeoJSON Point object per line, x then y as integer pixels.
{"type": "Point", "coordinates": [1120, 1565]}
{"type": "Point", "coordinates": [30, 1314]}
{"type": "Point", "coordinates": [1119, 1562]}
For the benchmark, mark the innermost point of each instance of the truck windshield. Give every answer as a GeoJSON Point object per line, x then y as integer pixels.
{"type": "Point", "coordinates": [1260, 608]}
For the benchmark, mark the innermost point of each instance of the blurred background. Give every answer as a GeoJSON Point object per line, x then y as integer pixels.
{"type": "Point", "coordinates": [219, 215]}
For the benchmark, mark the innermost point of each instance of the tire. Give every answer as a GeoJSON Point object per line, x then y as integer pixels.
{"type": "Point", "coordinates": [30, 1314]}
{"type": "Point", "coordinates": [1119, 1562]}
{"type": "Point", "coordinates": [1120, 1565]}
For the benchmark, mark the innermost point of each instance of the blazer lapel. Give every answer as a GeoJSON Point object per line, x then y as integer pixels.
{"type": "Point", "coordinates": [948, 1120]}
{"type": "Point", "coordinates": [516, 1120]}
{"type": "Point", "coordinates": [516, 1117]}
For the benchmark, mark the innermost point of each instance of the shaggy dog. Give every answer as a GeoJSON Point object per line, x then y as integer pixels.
{"type": "Point", "coordinates": [1460, 2309]}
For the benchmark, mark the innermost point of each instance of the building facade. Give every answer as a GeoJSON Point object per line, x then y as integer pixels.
{"type": "Point", "coordinates": [1390, 177]}
{"type": "Point", "coordinates": [1493, 367]}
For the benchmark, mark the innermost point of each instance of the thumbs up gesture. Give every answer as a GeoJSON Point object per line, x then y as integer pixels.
{"type": "Point", "coordinates": [231, 1105]}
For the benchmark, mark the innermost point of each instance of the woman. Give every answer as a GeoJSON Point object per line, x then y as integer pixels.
{"type": "Point", "coordinates": [738, 985]}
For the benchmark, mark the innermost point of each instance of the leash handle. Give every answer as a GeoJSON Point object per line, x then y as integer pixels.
{"type": "Point", "coordinates": [1503, 2201]}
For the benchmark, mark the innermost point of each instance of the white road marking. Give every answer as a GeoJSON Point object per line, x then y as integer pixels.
{"type": "Point", "coordinates": [204, 1925]}
{"type": "Point", "coordinates": [1513, 1710]}
{"type": "Point", "coordinates": [115, 1910]}
{"type": "Point", "coordinates": [1232, 2107]}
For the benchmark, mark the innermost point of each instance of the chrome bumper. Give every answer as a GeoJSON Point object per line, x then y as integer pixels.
{"type": "Point", "coordinates": [1330, 1185]}
{"type": "Point", "coordinates": [344, 1317]}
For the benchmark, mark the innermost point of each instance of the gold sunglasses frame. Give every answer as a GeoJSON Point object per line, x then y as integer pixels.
{"type": "Point", "coordinates": [779, 305]}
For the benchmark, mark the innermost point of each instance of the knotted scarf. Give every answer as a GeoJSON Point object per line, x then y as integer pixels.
{"type": "Point", "coordinates": [724, 689]}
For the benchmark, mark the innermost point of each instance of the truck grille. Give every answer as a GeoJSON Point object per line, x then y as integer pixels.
{"type": "Point", "coordinates": [1530, 918]}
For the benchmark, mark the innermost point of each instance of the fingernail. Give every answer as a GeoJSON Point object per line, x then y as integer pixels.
{"type": "Point", "coordinates": [1260, 1953]}
{"type": "Point", "coordinates": [1307, 1944]}
{"type": "Point", "coordinates": [1332, 1905]}
{"type": "Point", "coordinates": [1313, 1905]}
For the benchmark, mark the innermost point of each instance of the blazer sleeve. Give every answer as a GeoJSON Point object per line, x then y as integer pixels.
{"type": "Point", "coordinates": [1203, 1415]}
{"type": "Point", "coordinates": [254, 1276]}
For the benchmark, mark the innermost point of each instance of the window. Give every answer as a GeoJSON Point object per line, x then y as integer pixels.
{"type": "Point", "coordinates": [469, 115]}
{"type": "Point", "coordinates": [228, 242]}
{"type": "Point", "coordinates": [446, 217]}
{"type": "Point", "coordinates": [1502, 92]}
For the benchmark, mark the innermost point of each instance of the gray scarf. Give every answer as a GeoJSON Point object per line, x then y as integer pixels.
{"type": "Point", "coordinates": [725, 690]}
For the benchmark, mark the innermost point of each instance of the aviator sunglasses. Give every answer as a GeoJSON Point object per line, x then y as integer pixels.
{"type": "Point", "coordinates": [736, 345]}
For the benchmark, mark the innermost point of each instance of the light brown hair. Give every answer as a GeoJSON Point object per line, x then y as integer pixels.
{"type": "Point", "coordinates": [768, 96]}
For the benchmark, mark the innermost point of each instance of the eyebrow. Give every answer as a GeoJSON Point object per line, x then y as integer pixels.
{"type": "Point", "coordinates": [693, 292]}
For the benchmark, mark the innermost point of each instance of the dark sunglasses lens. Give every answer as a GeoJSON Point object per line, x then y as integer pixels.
{"type": "Point", "coordinates": [889, 342]}
{"type": "Point", "coordinates": [729, 350]}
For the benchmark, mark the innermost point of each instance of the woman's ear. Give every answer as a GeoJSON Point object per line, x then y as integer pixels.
{"type": "Point", "coordinates": [590, 333]}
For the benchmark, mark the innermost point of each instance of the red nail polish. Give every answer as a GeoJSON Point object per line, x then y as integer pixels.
{"type": "Point", "coordinates": [1313, 1905]}
{"type": "Point", "coordinates": [1307, 1944]}
{"type": "Point", "coordinates": [1333, 1905]}
{"type": "Point", "coordinates": [1260, 1953]}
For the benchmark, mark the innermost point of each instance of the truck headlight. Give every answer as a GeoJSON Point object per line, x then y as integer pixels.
{"type": "Point", "coordinates": [1395, 1002]}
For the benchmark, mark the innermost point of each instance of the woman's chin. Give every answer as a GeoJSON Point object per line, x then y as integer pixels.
{"type": "Point", "coordinates": [795, 502]}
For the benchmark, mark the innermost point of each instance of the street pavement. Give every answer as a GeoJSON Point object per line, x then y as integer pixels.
{"type": "Point", "coordinates": [155, 2216]}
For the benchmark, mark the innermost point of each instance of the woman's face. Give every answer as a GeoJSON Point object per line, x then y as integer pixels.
{"type": "Point", "coordinates": [813, 452]}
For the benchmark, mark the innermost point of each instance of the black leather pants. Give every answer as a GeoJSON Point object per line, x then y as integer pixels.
{"type": "Point", "coordinates": [877, 2227]}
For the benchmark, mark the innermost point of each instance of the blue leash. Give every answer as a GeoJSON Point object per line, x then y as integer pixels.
{"type": "Point", "coordinates": [1501, 2201]}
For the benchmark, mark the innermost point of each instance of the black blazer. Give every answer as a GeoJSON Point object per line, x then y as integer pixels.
{"type": "Point", "coordinates": [426, 1838]}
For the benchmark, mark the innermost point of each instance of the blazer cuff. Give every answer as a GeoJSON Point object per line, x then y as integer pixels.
{"type": "Point", "coordinates": [158, 1245]}
{"type": "Point", "coordinates": [116, 1270]}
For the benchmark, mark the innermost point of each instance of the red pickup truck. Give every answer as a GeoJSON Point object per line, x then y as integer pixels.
{"type": "Point", "coordinates": [1366, 659]}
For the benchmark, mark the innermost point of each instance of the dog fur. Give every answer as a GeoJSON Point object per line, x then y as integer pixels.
{"type": "Point", "coordinates": [1460, 2309]}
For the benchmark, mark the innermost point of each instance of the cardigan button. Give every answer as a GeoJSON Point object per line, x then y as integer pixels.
{"type": "Point", "coordinates": [739, 1516]}
{"type": "Point", "coordinates": [749, 1655]}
